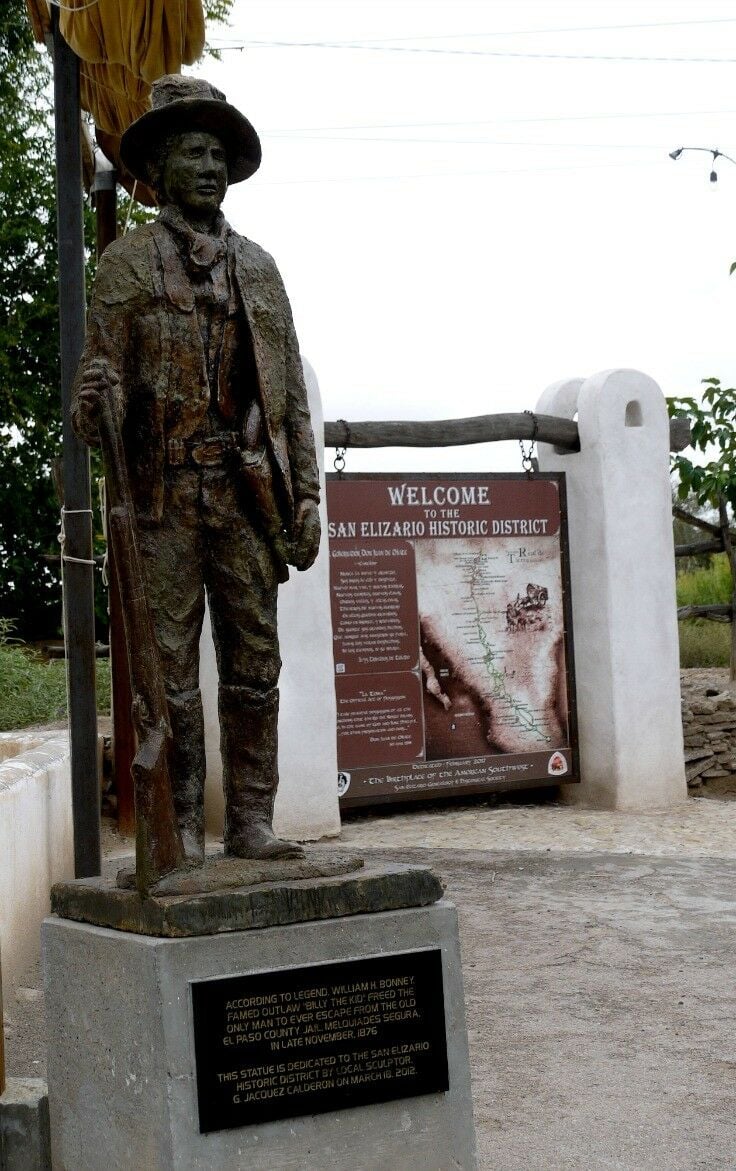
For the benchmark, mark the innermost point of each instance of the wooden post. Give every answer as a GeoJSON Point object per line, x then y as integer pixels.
{"type": "Point", "coordinates": [77, 575]}
{"type": "Point", "coordinates": [123, 733]}
{"type": "Point", "coordinates": [728, 545]}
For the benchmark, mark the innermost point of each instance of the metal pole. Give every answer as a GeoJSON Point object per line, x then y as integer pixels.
{"type": "Point", "coordinates": [78, 582]}
{"type": "Point", "coordinates": [2, 1037]}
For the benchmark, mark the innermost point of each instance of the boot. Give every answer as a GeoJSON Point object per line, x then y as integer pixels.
{"type": "Point", "coordinates": [188, 768]}
{"type": "Point", "coordinates": [249, 743]}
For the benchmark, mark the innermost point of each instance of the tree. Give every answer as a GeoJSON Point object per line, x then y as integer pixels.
{"type": "Point", "coordinates": [30, 422]}
{"type": "Point", "coordinates": [712, 482]}
{"type": "Point", "coordinates": [30, 410]}
{"type": "Point", "coordinates": [713, 432]}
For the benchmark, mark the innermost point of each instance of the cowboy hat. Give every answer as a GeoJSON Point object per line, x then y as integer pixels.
{"type": "Point", "coordinates": [183, 103]}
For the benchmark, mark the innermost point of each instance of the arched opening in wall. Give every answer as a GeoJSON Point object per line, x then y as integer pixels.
{"type": "Point", "coordinates": [633, 416]}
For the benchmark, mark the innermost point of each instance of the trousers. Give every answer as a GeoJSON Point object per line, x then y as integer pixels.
{"type": "Point", "coordinates": [206, 544]}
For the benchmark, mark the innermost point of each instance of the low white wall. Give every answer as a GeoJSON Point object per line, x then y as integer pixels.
{"type": "Point", "coordinates": [306, 804]}
{"type": "Point", "coordinates": [622, 568]}
{"type": "Point", "coordinates": [36, 840]}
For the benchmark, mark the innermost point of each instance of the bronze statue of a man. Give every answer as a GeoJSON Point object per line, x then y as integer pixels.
{"type": "Point", "coordinates": [191, 335]}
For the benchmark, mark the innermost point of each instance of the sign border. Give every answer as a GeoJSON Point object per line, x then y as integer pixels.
{"type": "Point", "coordinates": [462, 792]}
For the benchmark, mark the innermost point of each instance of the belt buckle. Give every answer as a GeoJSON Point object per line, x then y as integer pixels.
{"type": "Point", "coordinates": [207, 453]}
{"type": "Point", "coordinates": [211, 452]}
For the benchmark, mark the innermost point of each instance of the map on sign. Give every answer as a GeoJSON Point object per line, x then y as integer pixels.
{"type": "Point", "coordinates": [451, 634]}
{"type": "Point", "coordinates": [494, 638]}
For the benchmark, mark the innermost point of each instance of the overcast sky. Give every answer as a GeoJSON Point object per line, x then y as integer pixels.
{"type": "Point", "coordinates": [462, 225]}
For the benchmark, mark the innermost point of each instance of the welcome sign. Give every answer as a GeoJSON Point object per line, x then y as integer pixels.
{"type": "Point", "coordinates": [451, 634]}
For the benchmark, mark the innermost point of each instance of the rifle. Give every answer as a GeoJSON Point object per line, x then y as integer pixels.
{"type": "Point", "coordinates": [158, 845]}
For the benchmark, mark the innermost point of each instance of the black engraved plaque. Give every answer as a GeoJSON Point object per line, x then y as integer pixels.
{"type": "Point", "coordinates": [323, 1037]}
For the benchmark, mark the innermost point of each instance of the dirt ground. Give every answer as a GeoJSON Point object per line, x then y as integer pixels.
{"type": "Point", "coordinates": [600, 1003]}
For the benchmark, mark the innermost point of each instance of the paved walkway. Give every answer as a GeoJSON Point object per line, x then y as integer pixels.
{"type": "Point", "coordinates": [599, 987]}
{"type": "Point", "coordinates": [702, 828]}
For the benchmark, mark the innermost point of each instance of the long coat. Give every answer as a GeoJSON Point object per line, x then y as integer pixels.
{"type": "Point", "coordinates": [143, 322]}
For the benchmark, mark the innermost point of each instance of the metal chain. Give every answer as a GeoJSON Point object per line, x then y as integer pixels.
{"type": "Point", "coordinates": [339, 461]}
{"type": "Point", "coordinates": [527, 454]}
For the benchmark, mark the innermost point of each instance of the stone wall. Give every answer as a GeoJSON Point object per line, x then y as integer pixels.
{"type": "Point", "coordinates": [709, 726]}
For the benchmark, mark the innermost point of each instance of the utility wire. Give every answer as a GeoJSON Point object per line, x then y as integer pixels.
{"type": "Point", "coordinates": [468, 142]}
{"type": "Point", "coordinates": [449, 174]}
{"type": "Point", "coordinates": [527, 32]}
{"type": "Point", "coordinates": [363, 46]}
{"type": "Point", "coordinates": [287, 131]}
{"type": "Point", "coordinates": [539, 32]}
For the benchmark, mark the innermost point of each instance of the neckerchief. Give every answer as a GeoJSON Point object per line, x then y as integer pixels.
{"type": "Point", "coordinates": [200, 251]}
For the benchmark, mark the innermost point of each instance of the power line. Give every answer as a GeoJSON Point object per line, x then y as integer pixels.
{"type": "Point", "coordinates": [287, 131]}
{"type": "Point", "coordinates": [533, 32]}
{"type": "Point", "coordinates": [450, 174]}
{"type": "Point", "coordinates": [469, 142]}
{"type": "Point", "coordinates": [525, 32]}
{"type": "Point", "coordinates": [362, 46]}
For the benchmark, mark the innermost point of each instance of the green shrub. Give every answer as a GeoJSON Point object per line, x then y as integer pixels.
{"type": "Point", "coordinates": [33, 691]}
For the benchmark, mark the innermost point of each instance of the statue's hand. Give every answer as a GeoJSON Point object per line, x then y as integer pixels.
{"type": "Point", "coordinates": [307, 532]}
{"type": "Point", "coordinates": [98, 382]}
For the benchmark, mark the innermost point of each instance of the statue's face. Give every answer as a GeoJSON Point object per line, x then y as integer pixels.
{"type": "Point", "coordinates": [195, 172]}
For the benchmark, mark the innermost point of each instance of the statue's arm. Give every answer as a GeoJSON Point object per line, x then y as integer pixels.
{"type": "Point", "coordinates": [297, 420]}
{"type": "Point", "coordinates": [300, 440]}
{"type": "Point", "coordinates": [101, 370]}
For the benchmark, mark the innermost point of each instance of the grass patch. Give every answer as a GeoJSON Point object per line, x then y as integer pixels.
{"type": "Point", "coordinates": [33, 691]}
{"type": "Point", "coordinates": [703, 643]}
{"type": "Point", "coordinates": [706, 587]}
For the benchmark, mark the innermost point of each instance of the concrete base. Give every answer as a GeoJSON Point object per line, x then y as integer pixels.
{"type": "Point", "coordinates": [24, 1126]}
{"type": "Point", "coordinates": [121, 1069]}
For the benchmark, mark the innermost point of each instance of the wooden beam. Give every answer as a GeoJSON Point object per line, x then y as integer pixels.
{"type": "Point", "coordinates": [730, 547]}
{"type": "Point", "coordinates": [475, 429]}
{"type": "Point", "coordinates": [696, 521]}
{"type": "Point", "coordinates": [698, 548]}
{"type": "Point", "coordinates": [453, 432]}
{"type": "Point", "coordinates": [679, 433]}
{"type": "Point", "coordinates": [77, 575]}
{"type": "Point", "coordinates": [715, 613]}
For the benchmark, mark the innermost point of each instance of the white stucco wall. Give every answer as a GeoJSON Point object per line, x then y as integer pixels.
{"type": "Point", "coordinates": [36, 840]}
{"type": "Point", "coordinates": [306, 804]}
{"type": "Point", "coordinates": [622, 568]}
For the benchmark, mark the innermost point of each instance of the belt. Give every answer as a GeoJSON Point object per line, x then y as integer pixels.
{"type": "Point", "coordinates": [202, 453]}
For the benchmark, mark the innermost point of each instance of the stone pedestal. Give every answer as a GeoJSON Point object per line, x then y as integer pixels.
{"type": "Point", "coordinates": [123, 1074]}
